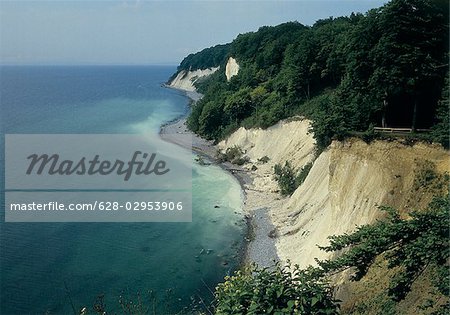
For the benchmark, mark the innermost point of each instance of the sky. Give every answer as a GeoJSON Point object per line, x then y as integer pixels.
{"type": "Point", "coordinates": [143, 32]}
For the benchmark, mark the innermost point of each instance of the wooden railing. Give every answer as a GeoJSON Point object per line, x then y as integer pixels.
{"type": "Point", "coordinates": [399, 130]}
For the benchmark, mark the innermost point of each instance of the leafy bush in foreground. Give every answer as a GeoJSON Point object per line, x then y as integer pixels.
{"type": "Point", "coordinates": [282, 290]}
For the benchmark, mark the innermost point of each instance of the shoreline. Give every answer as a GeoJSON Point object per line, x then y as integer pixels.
{"type": "Point", "coordinates": [258, 244]}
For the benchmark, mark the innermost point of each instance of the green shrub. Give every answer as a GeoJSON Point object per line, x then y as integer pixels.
{"type": "Point", "coordinates": [287, 178]}
{"type": "Point", "coordinates": [264, 159]}
{"type": "Point", "coordinates": [279, 290]}
{"type": "Point", "coordinates": [303, 174]}
{"type": "Point", "coordinates": [369, 135]}
{"type": "Point", "coordinates": [234, 155]}
{"type": "Point", "coordinates": [240, 160]}
{"type": "Point", "coordinates": [427, 178]}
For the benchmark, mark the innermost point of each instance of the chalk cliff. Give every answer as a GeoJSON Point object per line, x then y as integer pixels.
{"type": "Point", "coordinates": [185, 79]}
{"type": "Point", "coordinates": [232, 68]}
{"type": "Point", "coordinates": [343, 189]}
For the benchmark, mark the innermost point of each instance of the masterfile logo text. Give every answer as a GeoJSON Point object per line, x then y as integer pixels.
{"type": "Point", "coordinates": [96, 178]}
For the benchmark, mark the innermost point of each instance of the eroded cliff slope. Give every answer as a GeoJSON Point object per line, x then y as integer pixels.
{"type": "Point", "coordinates": [185, 79]}
{"type": "Point", "coordinates": [344, 187]}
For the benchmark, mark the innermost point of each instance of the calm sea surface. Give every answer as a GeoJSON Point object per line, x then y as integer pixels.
{"type": "Point", "coordinates": [48, 267]}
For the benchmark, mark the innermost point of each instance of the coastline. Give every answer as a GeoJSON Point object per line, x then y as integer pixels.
{"type": "Point", "coordinates": [259, 243]}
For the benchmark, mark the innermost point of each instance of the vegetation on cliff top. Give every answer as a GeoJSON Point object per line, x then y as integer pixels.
{"type": "Point", "coordinates": [385, 68]}
{"type": "Point", "coordinates": [207, 58]}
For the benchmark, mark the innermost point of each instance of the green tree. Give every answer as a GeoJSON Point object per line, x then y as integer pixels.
{"type": "Point", "coordinates": [386, 68]}
{"type": "Point", "coordinates": [285, 176]}
{"type": "Point", "coordinates": [441, 130]}
{"type": "Point", "coordinates": [207, 58]}
{"type": "Point", "coordinates": [209, 119]}
{"type": "Point", "coordinates": [299, 67]}
{"type": "Point", "coordinates": [239, 105]}
{"type": "Point", "coordinates": [410, 50]}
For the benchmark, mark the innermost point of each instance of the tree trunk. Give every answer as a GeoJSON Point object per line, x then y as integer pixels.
{"type": "Point", "coordinates": [385, 105]}
{"type": "Point", "coordinates": [383, 118]}
{"type": "Point", "coordinates": [414, 118]}
{"type": "Point", "coordinates": [308, 91]}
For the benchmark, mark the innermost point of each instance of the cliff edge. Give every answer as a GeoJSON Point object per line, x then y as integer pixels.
{"type": "Point", "coordinates": [343, 189]}
{"type": "Point", "coordinates": [185, 80]}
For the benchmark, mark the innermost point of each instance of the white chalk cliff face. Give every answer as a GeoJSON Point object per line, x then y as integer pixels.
{"type": "Point", "coordinates": [232, 68]}
{"type": "Point", "coordinates": [343, 189]}
{"type": "Point", "coordinates": [185, 79]}
{"type": "Point", "coordinates": [285, 141]}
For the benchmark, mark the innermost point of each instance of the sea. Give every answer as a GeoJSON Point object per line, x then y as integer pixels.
{"type": "Point", "coordinates": [161, 268]}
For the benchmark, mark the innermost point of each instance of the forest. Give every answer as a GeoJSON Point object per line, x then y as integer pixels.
{"type": "Point", "coordinates": [385, 68]}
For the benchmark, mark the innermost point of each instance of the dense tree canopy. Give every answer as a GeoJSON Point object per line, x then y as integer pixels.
{"type": "Point", "coordinates": [207, 58]}
{"type": "Point", "coordinates": [384, 68]}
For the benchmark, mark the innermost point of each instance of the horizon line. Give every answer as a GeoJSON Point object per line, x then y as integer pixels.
{"type": "Point", "coordinates": [85, 64]}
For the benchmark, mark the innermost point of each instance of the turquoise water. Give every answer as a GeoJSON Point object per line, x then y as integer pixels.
{"type": "Point", "coordinates": [47, 267]}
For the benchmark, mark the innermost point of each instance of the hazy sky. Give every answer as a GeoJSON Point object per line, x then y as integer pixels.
{"type": "Point", "coordinates": [142, 32]}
